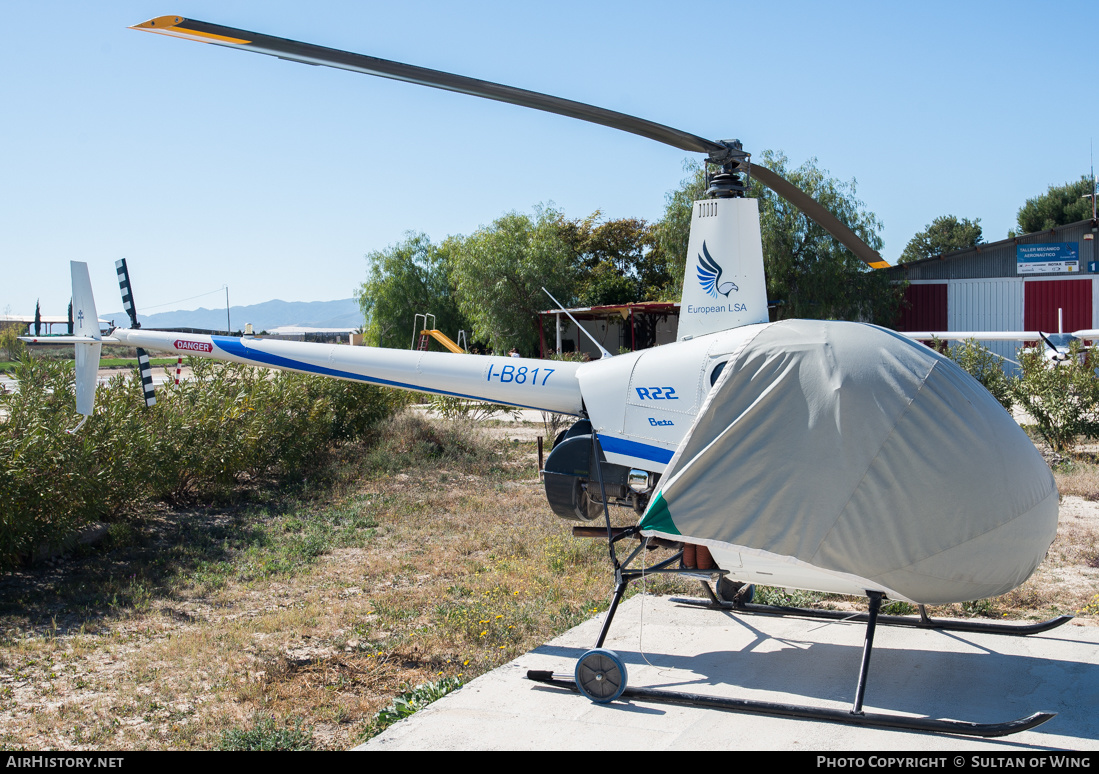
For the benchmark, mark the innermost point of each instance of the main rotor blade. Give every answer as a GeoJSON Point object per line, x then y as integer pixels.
{"type": "Point", "coordinates": [306, 53]}
{"type": "Point", "coordinates": [815, 210]}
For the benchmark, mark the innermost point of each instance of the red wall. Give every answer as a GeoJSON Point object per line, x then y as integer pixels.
{"type": "Point", "coordinates": [1043, 299]}
{"type": "Point", "coordinates": [924, 308]}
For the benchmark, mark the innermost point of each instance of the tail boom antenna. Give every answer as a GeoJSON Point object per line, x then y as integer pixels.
{"type": "Point", "coordinates": [579, 327]}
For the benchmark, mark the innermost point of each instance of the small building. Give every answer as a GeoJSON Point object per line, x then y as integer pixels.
{"type": "Point", "coordinates": [616, 327]}
{"type": "Point", "coordinates": [304, 333]}
{"type": "Point", "coordinates": [51, 324]}
{"type": "Point", "coordinates": [1044, 281]}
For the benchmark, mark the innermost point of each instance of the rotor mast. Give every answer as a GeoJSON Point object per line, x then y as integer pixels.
{"type": "Point", "coordinates": [734, 162]}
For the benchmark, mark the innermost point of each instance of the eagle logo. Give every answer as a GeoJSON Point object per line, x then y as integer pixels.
{"type": "Point", "coordinates": [709, 276]}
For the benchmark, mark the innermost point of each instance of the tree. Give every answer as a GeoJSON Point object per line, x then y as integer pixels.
{"type": "Point", "coordinates": [499, 273]}
{"type": "Point", "coordinates": [71, 323]}
{"type": "Point", "coordinates": [943, 235]}
{"type": "Point", "coordinates": [674, 229]}
{"type": "Point", "coordinates": [9, 340]}
{"type": "Point", "coordinates": [37, 319]}
{"type": "Point", "coordinates": [1059, 205]}
{"type": "Point", "coordinates": [617, 261]}
{"type": "Point", "coordinates": [406, 279]}
{"type": "Point", "coordinates": [808, 271]}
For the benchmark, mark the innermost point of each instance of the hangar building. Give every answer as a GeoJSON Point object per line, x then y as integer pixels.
{"type": "Point", "coordinates": [1016, 284]}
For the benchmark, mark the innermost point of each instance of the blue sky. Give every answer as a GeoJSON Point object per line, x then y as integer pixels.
{"type": "Point", "coordinates": [207, 167]}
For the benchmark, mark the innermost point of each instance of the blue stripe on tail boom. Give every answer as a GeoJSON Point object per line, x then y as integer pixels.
{"type": "Point", "coordinates": [235, 346]}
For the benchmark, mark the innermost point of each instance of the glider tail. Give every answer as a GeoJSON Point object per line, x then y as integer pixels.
{"type": "Point", "coordinates": [88, 342]}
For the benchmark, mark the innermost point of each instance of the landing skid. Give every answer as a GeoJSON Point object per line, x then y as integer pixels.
{"type": "Point", "coordinates": [923, 621]}
{"type": "Point", "coordinates": [601, 675]}
{"type": "Point", "coordinates": [867, 719]}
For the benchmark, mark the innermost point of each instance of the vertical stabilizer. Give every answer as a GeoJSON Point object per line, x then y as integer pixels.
{"type": "Point", "coordinates": [85, 319]}
{"type": "Point", "coordinates": [87, 369]}
{"type": "Point", "coordinates": [85, 323]}
{"type": "Point", "coordinates": [723, 285]}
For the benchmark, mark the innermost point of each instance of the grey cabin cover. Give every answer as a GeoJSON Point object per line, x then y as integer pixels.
{"type": "Point", "coordinates": [853, 449]}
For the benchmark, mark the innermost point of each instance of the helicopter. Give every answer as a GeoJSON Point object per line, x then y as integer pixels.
{"type": "Point", "coordinates": [825, 455]}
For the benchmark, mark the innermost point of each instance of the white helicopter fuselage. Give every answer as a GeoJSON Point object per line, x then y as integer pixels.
{"type": "Point", "coordinates": [643, 403]}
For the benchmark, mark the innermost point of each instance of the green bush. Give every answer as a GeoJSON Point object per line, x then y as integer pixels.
{"type": "Point", "coordinates": [10, 343]}
{"type": "Point", "coordinates": [410, 702]}
{"type": "Point", "coordinates": [453, 408]}
{"type": "Point", "coordinates": [1063, 399]}
{"type": "Point", "coordinates": [203, 438]}
{"type": "Point", "coordinates": [986, 368]}
{"type": "Point", "coordinates": [268, 735]}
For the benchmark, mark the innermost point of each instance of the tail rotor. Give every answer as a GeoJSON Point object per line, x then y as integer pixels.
{"type": "Point", "coordinates": [143, 365]}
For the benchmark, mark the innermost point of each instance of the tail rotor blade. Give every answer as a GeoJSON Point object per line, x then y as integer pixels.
{"type": "Point", "coordinates": [143, 365]}
{"type": "Point", "coordinates": [146, 370]}
{"type": "Point", "coordinates": [127, 293]}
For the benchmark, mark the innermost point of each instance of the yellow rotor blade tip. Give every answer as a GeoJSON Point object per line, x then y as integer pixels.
{"type": "Point", "coordinates": [159, 23]}
{"type": "Point", "coordinates": [180, 27]}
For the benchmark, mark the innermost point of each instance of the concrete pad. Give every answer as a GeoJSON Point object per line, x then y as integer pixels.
{"type": "Point", "coordinates": [666, 645]}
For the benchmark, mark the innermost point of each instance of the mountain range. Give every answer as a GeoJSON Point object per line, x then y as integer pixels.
{"type": "Point", "coordinates": [270, 314]}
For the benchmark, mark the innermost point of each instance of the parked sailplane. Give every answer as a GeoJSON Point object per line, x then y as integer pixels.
{"type": "Point", "coordinates": [824, 455]}
{"type": "Point", "coordinates": [1055, 346]}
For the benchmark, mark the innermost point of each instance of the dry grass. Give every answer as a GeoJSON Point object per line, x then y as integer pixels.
{"type": "Point", "coordinates": [455, 568]}
{"type": "Point", "coordinates": [1078, 477]}
{"type": "Point", "coordinates": [430, 556]}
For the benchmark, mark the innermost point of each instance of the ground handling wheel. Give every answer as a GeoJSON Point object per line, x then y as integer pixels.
{"type": "Point", "coordinates": [601, 675]}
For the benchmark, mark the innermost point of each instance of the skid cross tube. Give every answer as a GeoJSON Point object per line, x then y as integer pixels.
{"type": "Point", "coordinates": [622, 573]}
{"type": "Point", "coordinates": [922, 622]}
{"type": "Point", "coordinates": [867, 646]}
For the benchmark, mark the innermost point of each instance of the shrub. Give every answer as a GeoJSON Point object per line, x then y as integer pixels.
{"type": "Point", "coordinates": [9, 341]}
{"type": "Point", "coordinates": [410, 702]}
{"type": "Point", "coordinates": [1063, 398]}
{"type": "Point", "coordinates": [227, 424]}
{"type": "Point", "coordinates": [449, 407]}
{"type": "Point", "coordinates": [268, 735]}
{"type": "Point", "coordinates": [410, 441]}
{"type": "Point", "coordinates": [986, 367]}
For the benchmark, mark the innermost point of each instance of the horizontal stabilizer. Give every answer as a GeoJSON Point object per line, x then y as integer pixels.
{"type": "Point", "coordinates": [67, 339]}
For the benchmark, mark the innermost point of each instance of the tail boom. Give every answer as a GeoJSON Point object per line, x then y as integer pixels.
{"type": "Point", "coordinates": [521, 382]}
